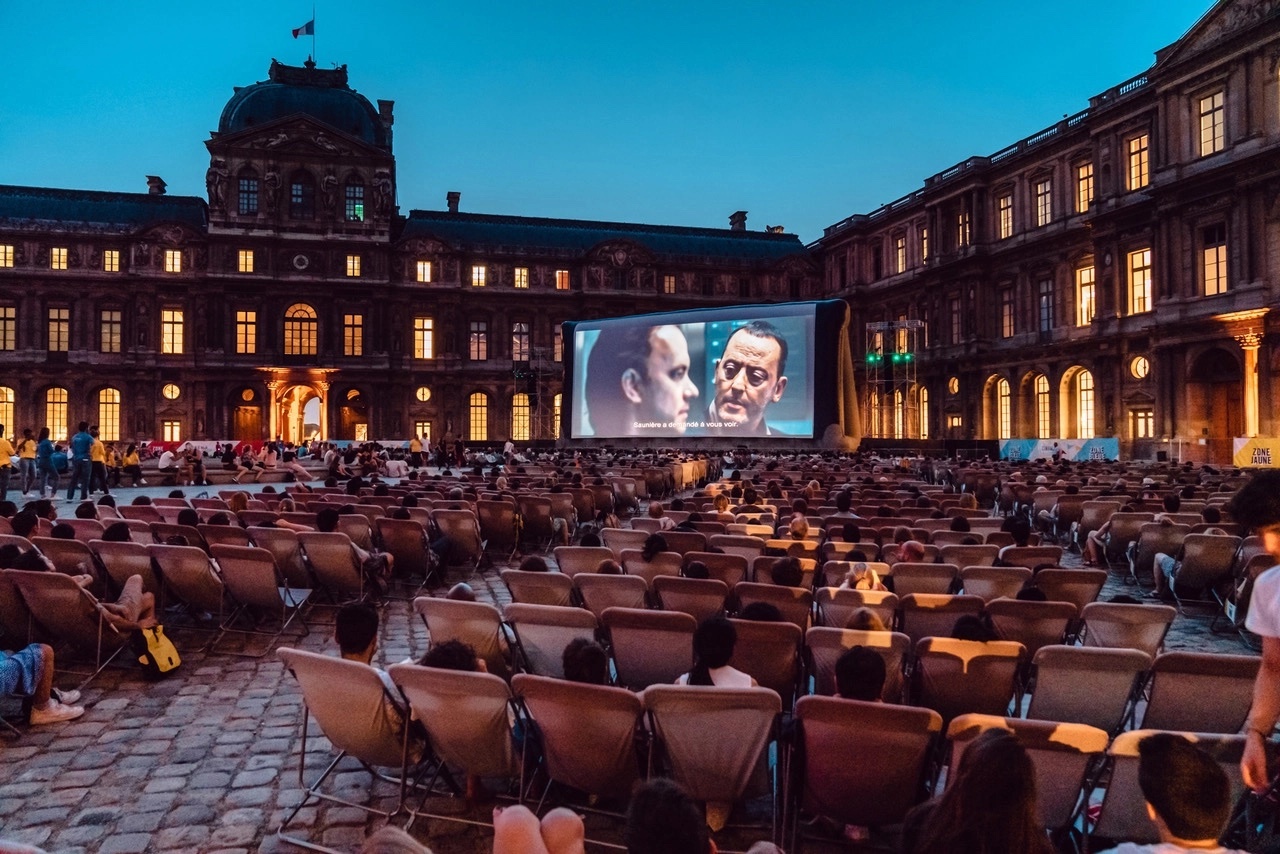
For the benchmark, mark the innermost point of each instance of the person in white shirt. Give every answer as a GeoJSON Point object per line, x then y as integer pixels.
{"type": "Point", "coordinates": [713, 643]}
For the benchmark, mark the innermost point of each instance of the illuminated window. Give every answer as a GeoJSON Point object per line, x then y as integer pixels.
{"type": "Point", "coordinates": [302, 197]}
{"type": "Point", "coordinates": [6, 254]}
{"type": "Point", "coordinates": [953, 385]}
{"type": "Point", "coordinates": [877, 425]}
{"type": "Point", "coordinates": [898, 414]}
{"type": "Point", "coordinates": [59, 330]}
{"type": "Point", "coordinates": [246, 332]}
{"type": "Point", "coordinates": [8, 331]}
{"type": "Point", "coordinates": [353, 265]}
{"type": "Point", "coordinates": [422, 393]}
{"type": "Point", "coordinates": [171, 391]}
{"type": "Point", "coordinates": [521, 278]}
{"type": "Point", "coordinates": [1004, 409]}
{"type": "Point", "coordinates": [55, 412]}
{"type": "Point", "coordinates": [110, 261]}
{"type": "Point", "coordinates": [1005, 204]}
{"type": "Point", "coordinates": [478, 273]}
{"type": "Point", "coordinates": [520, 417]}
{"type": "Point", "coordinates": [668, 284]}
{"type": "Point", "coordinates": [963, 229]}
{"type": "Point", "coordinates": [353, 334]}
{"type": "Point", "coordinates": [954, 422]}
{"type": "Point", "coordinates": [1213, 256]}
{"type": "Point", "coordinates": [1140, 281]}
{"type": "Point", "coordinates": [423, 429]}
{"type": "Point", "coordinates": [1139, 367]}
{"type": "Point", "coordinates": [173, 261]}
{"type": "Point", "coordinates": [1006, 313]}
{"type": "Point", "coordinates": [1139, 165]}
{"type": "Point", "coordinates": [1086, 296]}
{"type": "Point", "coordinates": [520, 349]}
{"type": "Point", "coordinates": [424, 271]}
{"type": "Point", "coordinates": [562, 280]}
{"type": "Point", "coordinates": [555, 415]}
{"type": "Point", "coordinates": [424, 337]}
{"type": "Point", "coordinates": [900, 253]}
{"type": "Point", "coordinates": [1212, 123]}
{"type": "Point", "coordinates": [171, 431]}
{"type": "Point", "coordinates": [1084, 187]}
{"type": "Point", "coordinates": [1142, 423]}
{"type": "Point", "coordinates": [478, 341]}
{"type": "Point", "coordinates": [109, 415]}
{"type": "Point", "coordinates": [479, 417]}
{"type": "Point", "coordinates": [557, 343]}
{"type": "Point", "coordinates": [924, 244]}
{"type": "Point", "coordinates": [924, 413]}
{"type": "Point", "coordinates": [247, 201]}
{"type": "Point", "coordinates": [1084, 405]}
{"type": "Point", "coordinates": [171, 331]}
{"type": "Point", "coordinates": [957, 321]}
{"type": "Point", "coordinates": [300, 332]}
{"type": "Point", "coordinates": [245, 260]}
{"type": "Point", "coordinates": [7, 398]}
{"type": "Point", "coordinates": [1044, 426]}
{"type": "Point", "coordinates": [110, 326]}
{"type": "Point", "coordinates": [1045, 302]}
{"type": "Point", "coordinates": [58, 258]}
{"type": "Point", "coordinates": [354, 202]}
{"type": "Point", "coordinates": [1044, 202]}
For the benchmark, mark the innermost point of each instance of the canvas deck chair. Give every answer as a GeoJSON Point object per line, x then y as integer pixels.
{"type": "Point", "coordinates": [120, 561]}
{"type": "Point", "coordinates": [1206, 560]}
{"type": "Point", "coordinates": [69, 614]}
{"type": "Point", "coordinates": [466, 545]}
{"type": "Point", "coordinates": [69, 557]}
{"type": "Point", "coordinates": [956, 677]}
{"type": "Point", "coordinates": [982, 555]}
{"type": "Point", "coordinates": [1153, 538]}
{"type": "Point", "coordinates": [477, 624]}
{"type": "Point", "coordinates": [86, 529]}
{"type": "Point", "coordinates": [1077, 586]}
{"type": "Point", "coordinates": [535, 521]}
{"type": "Point", "coordinates": [620, 539]}
{"type": "Point", "coordinates": [162, 531]}
{"type": "Point", "coordinates": [994, 582]}
{"type": "Point", "coordinates": [335, 566]}
{"type": "Point", "coordinates": [349, 702]}
{"type": "Point", "coordinates": [834, 571]}
{"type": "Point", "coordinates": [406, 541]}
{"type": "Point", "coordinates": [1084, 685]}
{"type": "Point", "coordinates": [284, 547]}
{"type": "Point", "coordinates": [190, 578]}
{"type": "Point", "coordinates": [575, 559]}
{"type": "Point", "coordinates": [1032, 624]}
{"type": "Point", "coordinates": [824, 646]}
{"type": "Point", "coordinates": [258, 590]}
{"type": "Point", "coordinates": [17, 627]}
{"type": "Point", "coordinates": [649, 647]}
{"type": "Point", "coordinates": [1116, 625]}
{"type": "Point", "coordinates": [700, 598]}
{"type": "Point", "coordinates": [1125, 528]}
{"type": "Point", "coordinates": [1093, 515]}
{"type": "Point", "coordinates": [227, 535]}
{"type": "Point", "coordinates": [663, 563]}
{"type": "Point", "coordinates": [601, 592]}
{"type": "Point", "coordinates": [837, 606]}
{"type": "Point", "coordinates": [1031, 556]}
{"type": "Point", "coordinates": [543, 631]}
{"type": "Point", "coordinates": [770, 654]}
{"type": "Point", "coordinates": [142, 512]}
{"type": "Point", "coordinates": [539, 588]}
{"type": "Point", "coordinates": [930, 578]}
{"type": "Point", "coordinates": [925, 615]}
{"type": "Point", "coordinates": [795, 603]}
{"type": "Point", "coordinates": [746, 547]}
{"type": "Point", "coordinates": [684, 542]}
{"type": "Point", "coordinates": [1200, 692]}
{"type": "Point", "coordinates": [358, 526]}
{"type": "Point", "coordinates": [728, 568]}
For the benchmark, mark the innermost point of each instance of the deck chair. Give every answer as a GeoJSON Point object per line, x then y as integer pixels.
{"type": "Point", "coordinates": [255, 584]}
{"type": "Point", "coordinates": [1120, 626]}
{"type": "Point", "coordinates": [406, 541]}
{"type": "Point", "coordinates": [284, 547]}
{"type": "Point", "coordinates": [1154, 538]}
{"type": "Point", "coordinates": [836, 606]}
{"type": "Point", "coordinates": [1084, 685]}
{"type": "Point", "coordinates": [1077, 586]}
{"type": "Point", "coordinates": [1093, 515]}
{"type": "Point", "coordinates": [120, 561]}
{"type": "Point", "coordinates": [70, 557]}
{"type": "Point", "coordinates": [587, 733]}
{"type": "Point", "coordinates": [601, 592]}
{"type": "Point", "coordinates": [349, 702]}
{"type": "Point", "coordinates": [832, 573]}
{"type": "Point", "coordinates": [477, 624]}
{"type": "Point", "coordinates": [858, 763]}
{"type": "Point", "coordinates": [620, 539]}
{"type": "Point", "coordinates": [142, 512]}
{"type": "Point", "coordinates": [700, 598]}
{"type": "Point", "coordinates": [1200, 692]}
{"type": "Point", "coordinates": [543, 631]}
{"type": "Point", "coordinates": [684, 542]}
{"type": "Point", "coordinates": [17, 627]}
{"type": "Point", "coordinates": [994, 582]}
{"type": "Point", "coordinates": [795, 603]}
{"type": "Point", "coordinates": [726, 568]}
{"type": "Point", "coordinates": [663, 563]}
{"type": "Point", "coordinates": [983, 555]}
{"type": "Point", "coordinates": [461, 527]}
{"type": "Point", "coordinates": [933, 578]}
{"type": "Point", "coordinates": [1123, 814]}
{"type": "Point", "coordinates": [733, 544]}
{"type": "Point", "coordinates": [86, 529]}
{"type": "Point", "coordinates": [1125, 529]}
{"type": "Point", "coordinates": [190, 578]}
{"type": "Point", "coordinates": [575, 559]}
{"type": "Point", "coordinates": [358, 526]}
{"type": "Point", "coordinates": [712, 739]}
{"type": "Point", "coordinates": [649, 526]}
{"type": "Point", "coordinates": [335, 565]}
{"type": "Point", "coordinates": [1206, 561]}
{"type": "Point", "coordinates": [1032, 624]}
{"type": "Point", "coordinates": [467, 720]}
{"type": "Point", "coordinates": [67, 613]}
{"type": "Point", "coordinates": [649, 647]}
{"type": "Point", "coordinates": [227, 535]}
{"type": "Point", "coordinates": [956, 677]}
{"type": "Point", "coordinates": [750, 529]}
{"type": "Point", "coordinates": [824, 646]}
{"type": "Point", "coordinates": [539, 588]}
{"type": "Point", "coordinates": [1061, 755]}
{"type": "Point", "coordinates": [924, 615]}
{"type": "Point", "coordinates": [1031, 556]}
{"type": "Point", "coordinates": [762, 570]}
{"type": "Point", "coordinates": [162, 531]}
{"type": "Point", "coordinates": [535, 517]}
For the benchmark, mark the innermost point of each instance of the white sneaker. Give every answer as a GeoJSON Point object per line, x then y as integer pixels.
{"type": "Point", "coordinates": [66, 697]}
{"type": "Point", "coordinates": [142, 481]}
{"type": "Point", "coordinates": [54, 713]}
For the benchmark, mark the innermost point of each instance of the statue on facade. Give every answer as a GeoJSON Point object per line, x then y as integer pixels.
{"type": "Point", "coordinates": [271, 189]}
{"type": "Point", "coordinates": [329, 188]}
{"type": "Point", "coordinates": [382, 194]}
{"type": "Point", "coordinates": [215, 181]}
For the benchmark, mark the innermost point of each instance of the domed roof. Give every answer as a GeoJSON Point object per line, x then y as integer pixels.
{"type": "Point", "coordinates": [322, 94]}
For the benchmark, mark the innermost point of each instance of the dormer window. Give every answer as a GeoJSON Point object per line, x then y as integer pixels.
{"type": "Point", "coordinates": [302, 197]}
{"type": "Point", "coordinates": [354, 198]}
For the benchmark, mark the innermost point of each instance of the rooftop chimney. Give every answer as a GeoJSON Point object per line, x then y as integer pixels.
{"type": "Point", "coordinates": [453, 197]}
{"type": "Point", "coordinates": [384, 114]}
{"type": "Point", "coordinates": [155, 185]}
{"type": "Point", "coordinates": [738, 221]}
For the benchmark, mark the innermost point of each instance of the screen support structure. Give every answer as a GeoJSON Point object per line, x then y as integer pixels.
{"type": "Point", "coordinates": [893, 392]}
{"type": "Point", "coordinates": [535, 378]}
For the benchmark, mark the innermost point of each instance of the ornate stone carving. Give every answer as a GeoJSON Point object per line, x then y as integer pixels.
{"type": "Point", "coordinates": [215, 181]}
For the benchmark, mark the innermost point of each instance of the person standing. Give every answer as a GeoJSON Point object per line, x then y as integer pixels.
{"type": "Point", "coordinates": [27, 462]}
{"type": "Point", "coordinates": [46, 473]}
{"type": "Point", "coordinates": [97, 463]}
{"type": "Point", "coordinates": [81, 465]}
{"type": "Point", "coordinates": [6, 463]}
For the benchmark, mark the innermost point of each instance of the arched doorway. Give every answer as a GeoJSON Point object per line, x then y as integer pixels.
{"type": "Point", "coordinates": [1215, 400]}
{"type": "Point", "coordinates": [299, 415]}
{"type": "Point", "coordinates": [353, 416]}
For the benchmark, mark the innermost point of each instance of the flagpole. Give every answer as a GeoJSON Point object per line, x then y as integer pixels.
{"type": "Point", "coordinates": [314, 57]}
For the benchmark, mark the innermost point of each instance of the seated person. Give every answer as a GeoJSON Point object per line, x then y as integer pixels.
{"type": "Point", "coordinates": [656, 511]}
{"type": "Point", "coordinates": [356, 631]}
{"type": "Point", "coordinates": [586, 661]}
{"type": "Point", "coordinates": [1165, 567]}
{"type": "Point", "coordinates": [860, 674]}
{"type": "Point", "coordinates": [30, 671]}
{"type": "Point", "coordinates": [663, 819]}
{"type": "Point", "coordinates": [713, 643]}
{"type": "Point", "coordinates": [862, 577]}
{"type": "Point", "coordinates": [516, 830]}
{"type": "Point", "coordinates": [456, 655]}
{"type": "Point", "coordinates": [787, 572]}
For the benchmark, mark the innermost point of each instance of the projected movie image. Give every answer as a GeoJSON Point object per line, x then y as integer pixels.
{"type": "Point", "coordinates": [739, 372]}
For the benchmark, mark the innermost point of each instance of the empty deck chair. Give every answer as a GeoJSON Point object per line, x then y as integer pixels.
{"type": "Point", "coordinates": [539, 588]}
{"type": "Point", "coordinates": [700, 598]}
{"type": "Point", "coordinates": [931, 578]}
{"type": "Point", "coordinates": [956, 677]}
{"type": "Point", "coordinates": [466, 546]}
{"type": "Point", "coordinates": [923, 615]}
{"type": "Point", "coordinates": [336, 566]}
{"type": "Point", "coordinates": [1086, 685]}
{"type": "Point", "coordinates": [190, 577]}
{"type": "Point", "coordinates": [258, 589]}
{"type": "Point", "coordinates": [284, 547]}
{"type": "Point", "coordinates": [619, 539]}
{"type": "Point", "coordinates": [983, 555]}
{"type": "Point", "coordinates": [663, 563]}
{"type": "Point", "coordinates": [601, 592]}
{"type": "Point", "coordinates": [1121, 626]}
{"type": "Point", "coordinates": [795, 603]}
{"type": "Point", "coordinates": [747, 547]}
{"type": "Point", "coordinates": [1032, 624]}
{"type": "Point", "coordinates": [1077, 586]}
{"type": "Point", "coordinates": [575, 559]}
{"type": "Point", "coordinates": [406, 541]}
{"type": "Point", "coordinates": [994, 582]}
{"type": "Point", "coordinates": [1200, 692]}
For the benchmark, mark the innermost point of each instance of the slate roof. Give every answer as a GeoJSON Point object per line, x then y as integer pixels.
{"type": "Point", "coordinates": [486, 232]}
{"type": "Point", "coordinates": [320, 93]}
{"type": "Point", "coordinates": [92, 209]}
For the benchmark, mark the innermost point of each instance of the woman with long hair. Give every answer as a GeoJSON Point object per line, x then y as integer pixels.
{"type": "Point", "coordinates": [989, 806]}
{"type": "Point", "coordinates": [653, 544]}
{"type": "Point", "coordinates": [713, 643]}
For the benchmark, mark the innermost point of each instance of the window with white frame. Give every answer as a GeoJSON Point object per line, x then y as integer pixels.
{"type": "Point", "coordinates": [1139, 173]}
{"type": "Point", "coordinates": [1213, 259]}
{"type": "Point", "coordinates": [1140, 281]}
{"type": "Point", "coordinates": [1005, 215]}
{"type": "Point", "coordinates": [1086, 296]}
{"type": "Point", "coordinates": [1044, 202]}
{"type": "Point", "coordinates": [1212, 123]}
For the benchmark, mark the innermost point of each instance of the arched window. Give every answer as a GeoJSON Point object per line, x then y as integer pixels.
{"type": "Point", "coordinates": [300, 330]}
{"type": "Point", "coordinates": [1044, 427]}
{"type": "Point", "coordinates": [109, 415]}
{"type": "Point", "coordinates": [520, 417]}
{"type": "Point", "coordinates": [302, 196]}
{"type": "Point", "coordinates": [7, 398]}
{"type": "Point", "coordinates": [899, 414]}
{"type": "Point", "coordinates": [479, 412]}
{"type": "Point", "coordinates": [924, 412]}
{"type": "Point", "coordinates": [876, 429]}
{"type": "Point", "coordinates": [555, 424]}
{"type": "Point", "coordinates": [353, 200]}
{"type": "Point", "coordinates": [1084, 405]}
{"type": "Point", "coordinates": [1004, 409]}
{"type": "Point", "coordinates": [55, 413]}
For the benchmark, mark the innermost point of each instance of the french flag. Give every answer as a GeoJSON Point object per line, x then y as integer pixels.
{"type": "Point", "coordinates": [307, 29]}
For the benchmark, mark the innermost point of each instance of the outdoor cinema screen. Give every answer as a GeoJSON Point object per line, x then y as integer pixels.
{"type": "Point", "coordinates": [735, 372]}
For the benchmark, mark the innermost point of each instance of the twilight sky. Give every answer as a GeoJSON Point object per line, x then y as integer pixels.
{"type": "Point", "coordinates": [676, 113]}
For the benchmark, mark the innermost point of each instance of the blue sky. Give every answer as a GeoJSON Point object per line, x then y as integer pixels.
{"type": "Point", "coordinates": [678, 113]}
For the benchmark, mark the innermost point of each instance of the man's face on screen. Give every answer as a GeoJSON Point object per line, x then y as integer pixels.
{"type": "Point", "coordinates": [747, 381]}
{"type": "Point", "coordinates": [667, 388]}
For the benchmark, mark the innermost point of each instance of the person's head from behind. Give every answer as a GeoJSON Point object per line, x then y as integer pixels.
{"type": "Point", "coordinates": [653, 544]}
{"type": "Point", "coordinates": [912, 551]}
{"type": "Point", "coordinates": [713, 643]}
{"type": "Point", "coordinates": [592, 539]}
{"type": "Point", "coordinates": [188, 516]}
{"type": "Point", "coordinates": [696, 569]}
{"type": "Point", "coordinates": [63, 531]}
{"type": "Point", "coordinates": [116, 532]}
{"type": "Point", "coordinates": [972, 627]}
{"type": "Point", "coordinates": [534, 563]}
{"type": "Point", "coordinates": [452, 655]}
{"type": "Point", "coordinates": [1171, 502]}
{"type": "Point", "coordinates": [1211, 515]}
{"type": "Point", "coordinates": [86, 510]}
{"type": "Point", "coordinates": [960, 524]}
{"type": "Point", "coordinates": [356, 631]}
{"type": "Point", "coordinates": [1256, 507]}
{"type": "Point", "coordinates": [24, 522]}
{"type": "Point", "coordinates": [798, 527]}
{"type": "Point", "coordinates": [860, 674]}
{"type": "Point", "coordinates": [640, 376]}
{"type": "Point", "coordinates": [1188, 794]}
{"type": "Point", "coordinates": [866, 620]}
{"type": "Point", "coordinates": [844, 500]}
{"type": "Point", "coordinates": [787, 572]}
{"type": "Point", "coordinates": [1017, 527]}
{"type": "Point", "coordinates": [609, 567]}
{"type": "Point", "coordinates": [327, 520]}
{"type": "Point", "coordinates": [461, 592]}
{"type": "Point", "coordinates": [663, 819]}
{"type": "Point", "coordinates": [656, 510]}
{"type": "Point", "coordinates": [585, 661]}
{"type": "Point", "coordinates": [761, 612]}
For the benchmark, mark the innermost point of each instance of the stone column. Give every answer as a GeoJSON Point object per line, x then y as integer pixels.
{"type": "Point", "coordinates": [323, 389]}
{"type": "Point", "coordinates": [273, 413]}
{"type": "Point", "coordinates": [1250, 342]}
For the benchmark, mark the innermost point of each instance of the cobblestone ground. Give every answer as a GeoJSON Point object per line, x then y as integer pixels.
{"type": "Point", "coordinates": [208, 760]}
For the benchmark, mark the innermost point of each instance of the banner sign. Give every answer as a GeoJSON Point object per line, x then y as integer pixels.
{"type": "Point", "coordinates": [1258, 451]}
{"type": "Point", "coordinates": [1078, 450]}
